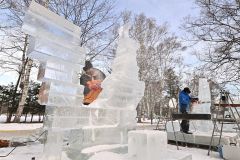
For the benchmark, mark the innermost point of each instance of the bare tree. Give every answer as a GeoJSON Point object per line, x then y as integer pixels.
{"type": "Point", "coordinates": [218, 26]}
{"type": "Point", "coordinates": [95, 17]}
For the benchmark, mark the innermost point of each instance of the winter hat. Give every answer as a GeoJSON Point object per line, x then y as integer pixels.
{"type": "Point", "coordinates": [187, 90]}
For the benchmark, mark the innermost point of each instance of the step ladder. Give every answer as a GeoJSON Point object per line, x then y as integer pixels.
{"type": "Point", "coordinates": [220, 117]}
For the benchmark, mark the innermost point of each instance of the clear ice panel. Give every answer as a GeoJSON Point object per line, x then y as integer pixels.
{"type": "Point", "coordinates": [43, 50]}
{"type": "Point", "coordinates": [59, 88]}
{"type": "Point", "coordinates": [81, 116]}
{"type": "Point", "coordinates": [57, 74]}
{"type": "Point", "coordinates": [120, 95]}
{"type": "Point", "coordinates": [147, 145]}
{"type": "Point", "coordinates": [102, 135]}
{"type": "Point", "coordinates": [60, 100]}
{"type": "Point", "coordinates": [65, 123]}
{"type": "Point", "coordinates": [40, 22]}
{"type": "Point", "coordinates": [62, 67]}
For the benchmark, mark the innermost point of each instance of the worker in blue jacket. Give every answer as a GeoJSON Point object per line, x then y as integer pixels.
{"type": "Point", "coordinates": [184, 108]}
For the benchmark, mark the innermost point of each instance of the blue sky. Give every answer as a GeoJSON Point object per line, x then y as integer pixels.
{"type": "Point", "coordinates": [170, 11]}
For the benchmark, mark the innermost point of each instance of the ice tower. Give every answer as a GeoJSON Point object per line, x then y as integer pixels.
{"type": "Point", "coordinates": [54, 42]}
{"type": "Point", "coordinates": [122, 89]}
{"type": "Point", "coordinates": [204, 107]}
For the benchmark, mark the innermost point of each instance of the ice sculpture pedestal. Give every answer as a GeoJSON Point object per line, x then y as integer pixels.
{"type": "Point", "coordinates": [151, 145]}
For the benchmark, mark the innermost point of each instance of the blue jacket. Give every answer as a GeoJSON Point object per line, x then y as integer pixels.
{"type": "Point", "coordinates": [184, 101]}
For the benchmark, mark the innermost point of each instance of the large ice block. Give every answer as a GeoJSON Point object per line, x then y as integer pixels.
{"type": "Point", "coordinates": [40, 22]}
{"type": "Point", "coordinates": [151, 145]}
{"type": "Point", "coordinates": [146, 145]}
{"type": "Point", "coordinates": [44, 50]}
{"type": "Point", "coordinates": [60, 100]}
{"type": "Point", "coordinates": [62, 67]}
{"type": "Point", "coordinates": [47, 73]}
{"type": "Point", "coordinates": [203, 107]}
{"type": "Point", "coordinates": [59, 88]}
{"type": "Point", "coordinates": [204, 93]}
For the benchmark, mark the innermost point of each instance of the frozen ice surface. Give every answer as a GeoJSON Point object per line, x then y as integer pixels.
{"type": "Point", "coordinates": [122, 89]}
{"type": "Point", "coordinates": [41, 22]}
{"type": "Point", "coordinates": [44, 50]}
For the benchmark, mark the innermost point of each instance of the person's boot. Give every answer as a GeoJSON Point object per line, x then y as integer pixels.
{"type": "Point", "coordinates": [188, 132]}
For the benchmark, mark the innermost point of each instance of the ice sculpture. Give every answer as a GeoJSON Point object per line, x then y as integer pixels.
{"type": "Point", "coordinates": [113, 114]}
{"type": "Point", "coordinates": [204, 106]}
{"type": "Point", "coordinates": [54, 42]}
{"type": "Point", "coordinates": [71, 127]}
{"type": "Point", "coordinates": [122, 89]}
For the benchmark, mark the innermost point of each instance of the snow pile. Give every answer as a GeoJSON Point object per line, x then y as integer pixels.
{"type": "Point", "coordinates": [27, 152]}
{"type": "Point", "coordinates": [108, 156]}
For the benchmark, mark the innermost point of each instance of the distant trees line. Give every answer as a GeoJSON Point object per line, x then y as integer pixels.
{"type": "Point", "coordinates": [9, 102]}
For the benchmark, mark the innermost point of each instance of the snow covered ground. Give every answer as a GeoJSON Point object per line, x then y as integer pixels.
{"type": "Point", "coordinates": [36, 149]}
{"type": "Point", "coordinates": [9, 131]}
{"type": "Point", "coordinates": [19, 126]}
